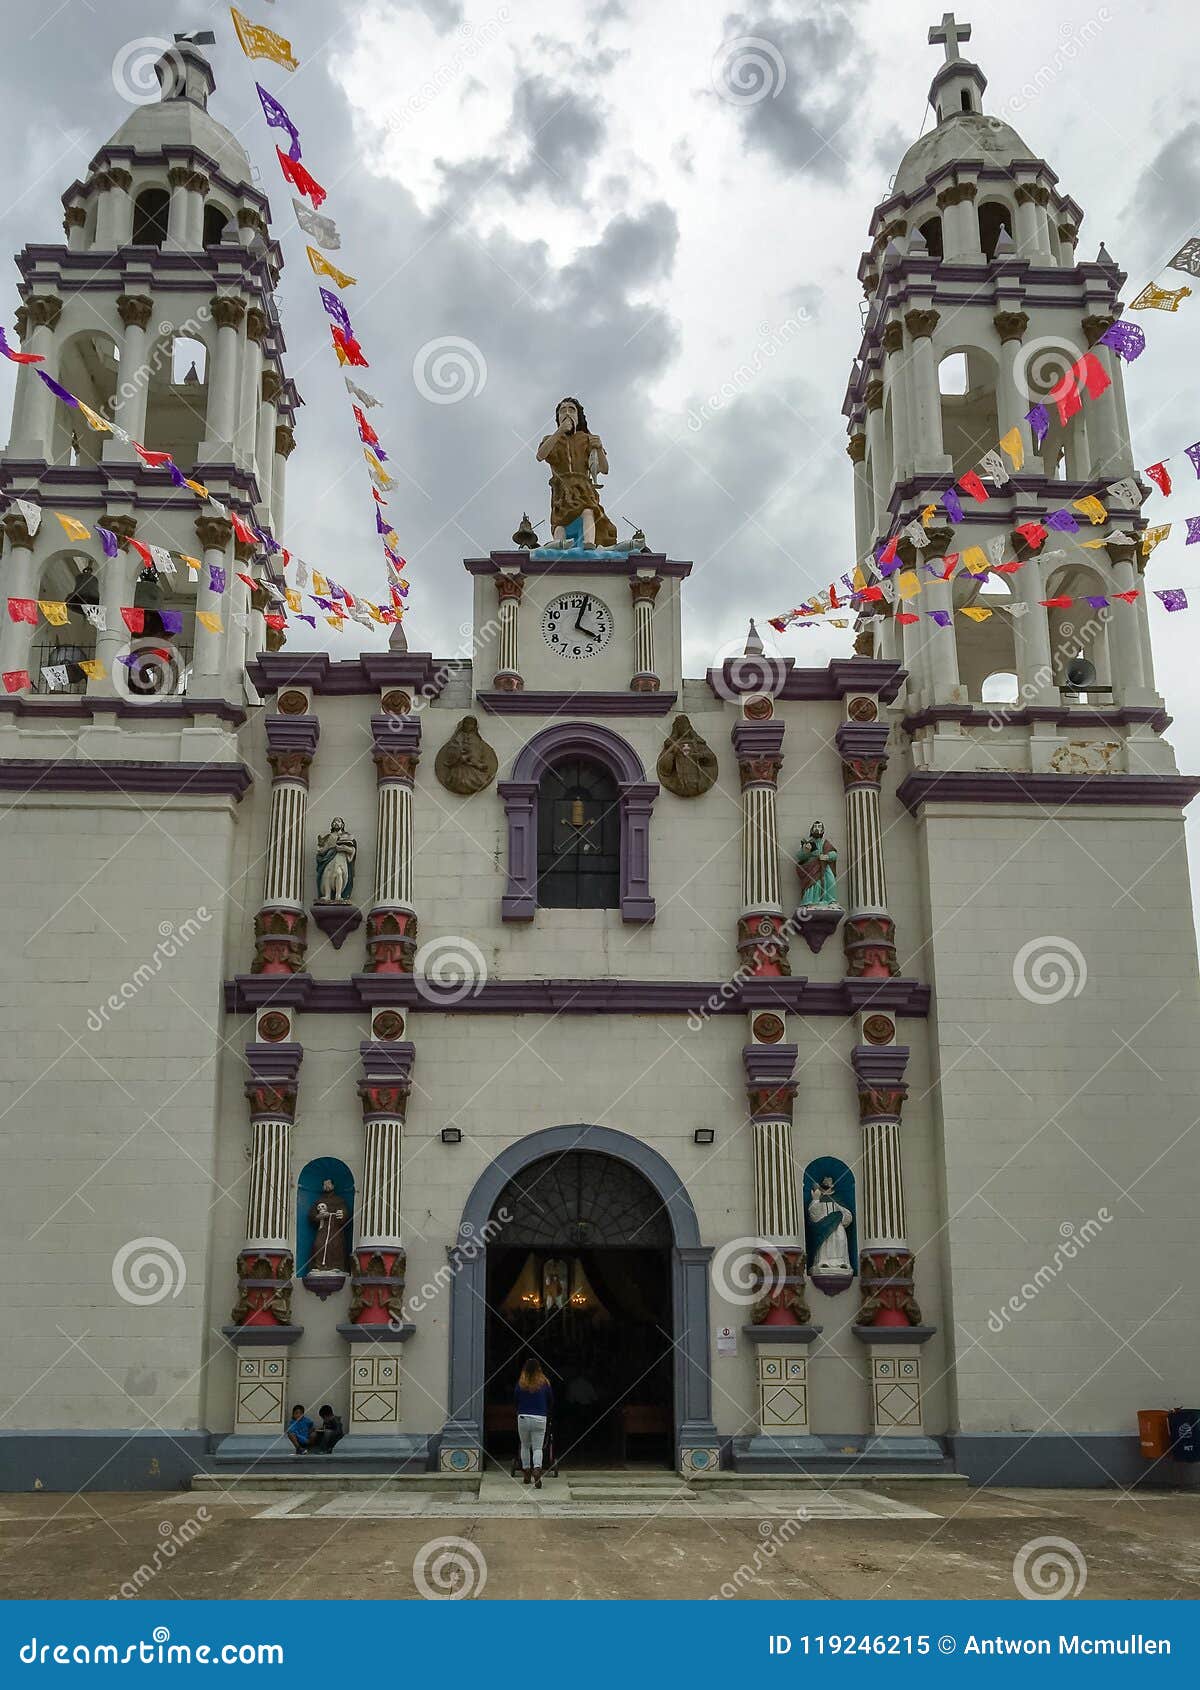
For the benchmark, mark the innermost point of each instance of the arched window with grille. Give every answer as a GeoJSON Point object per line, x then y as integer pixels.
{"type": "Point", "coordinates": [579, 837]}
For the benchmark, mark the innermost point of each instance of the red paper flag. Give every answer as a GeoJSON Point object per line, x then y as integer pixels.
{"type": "Point", "coordinates": [1032, 533]}
{"type": "Point", "coordinates": [275, 621]}
{"type": "Point", "coordinates": [143, 551]}
{"type": "Point", "coordinates": [155, 459]}
{"type": "Point", "coordinates": [366, 433]}
{"type": "Point", "coordinates": [17, 680]}
{"type": "Point", "coordinates": [1007, 568]}
{"type": "Point", "coordinates": [305, 185]}
{"type": "Point", "coordinates": [348, 349]}
{"type": "Point", "coordinates": [246, 535]}
{"type": "Point", "coordinates": [951, 562]}
{"type": "Point", "coordinates": [375, 494]}
{"type": "Point", "coordinates": [1128, 597]}
{"type": "Point", "coordinates": [1160, 476]}
{"type": "Point", "coordinates": [134, 617]}
{"type": "Point", "coordinates": [970, 483]}
{"type": "Point", "coordinates": [1062, 602]}
{"type": "Point", "coordinates": [23, 610]}
{"type": "Point", "coordinates": [1065, 394]}
{"type": "Point", "coordinates": [906, 616]}
{"type": "Point", "coordinates": [888, 554]}
{"type": "Point", "coordinates": [870, 594]}
{"type": "Point", "coordinates": [19, 358]}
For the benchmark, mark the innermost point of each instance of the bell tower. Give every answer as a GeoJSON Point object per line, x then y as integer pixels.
{"type": "Point", "coordinates": [158, 313]}
{"type": "Point", "coordinates": [977, 305]}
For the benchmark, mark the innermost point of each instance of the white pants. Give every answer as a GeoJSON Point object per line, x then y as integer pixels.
{"type": "Point", "coordinates": [531, 1429]}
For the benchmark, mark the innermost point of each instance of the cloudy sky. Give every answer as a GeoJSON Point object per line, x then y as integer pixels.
{"type": "Point", "coordinates": [647, 205]}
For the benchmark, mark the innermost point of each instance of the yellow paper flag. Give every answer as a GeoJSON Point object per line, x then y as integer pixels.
{"type": "Point", "coordinates": [192, 562]}
{"type": "Point", "coordinates": [293, 598]}
{"type": "Point", "coordinates": [320, 583]}
{"type": "Point", "coordinates": [1154, 537]}
{"type": "Point", "coordinates": [322, 267]}
{"type": "Point", "coordinates": [198, 488]}
{"type": "Point", "coordinates": [1092, 545]}
{"type": "Point", "coordinates": [258, 42]}
{"type": "Point", "coordinates": [1091, 507]}
{"type": "Point", "coordinates": [95, 420]}
{"type": "Point", "coordinates": [907, 585]}
{"type": "Point", "coordinates": [54, 610]}
{"type": "Point", "coordinates": [1154, 298]}
{"type": "Point", "coordinates": [1014, 446]}
{"type": "Point", "coordinates": [92, 668]}
{"type": "Point", "coordinates": [72, 529]}
{"type": "Point", "coordinates": [975, 611]}
{"type": "Point", "coordinates": [859, 579]}
{"type": "Point", "coordinates": [974, 560]}
{"type": "Point", "coordinates": [927, 515]}
{"type": "Point", "coordinates": [210, 620]}
{"type": "Point", "coordinates": [337, 622]}
{"type": "Point", "coordinates": [375, 611]}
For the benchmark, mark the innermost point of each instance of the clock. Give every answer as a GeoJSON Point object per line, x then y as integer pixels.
{"type": "Point", "coordinates": [577, 625]}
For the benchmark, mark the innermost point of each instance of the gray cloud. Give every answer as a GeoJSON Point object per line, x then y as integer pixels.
{"type": "Point", "coordinates": [1167, 196]}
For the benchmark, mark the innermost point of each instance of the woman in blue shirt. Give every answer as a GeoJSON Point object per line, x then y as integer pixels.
{"type": "Point", "coordinates": [534, 1400]}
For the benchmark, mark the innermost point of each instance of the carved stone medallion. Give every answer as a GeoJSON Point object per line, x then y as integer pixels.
{"type": "Point", "coordinates": [687, 765]}
{"type": "Point", "coordinates": [466, 764]}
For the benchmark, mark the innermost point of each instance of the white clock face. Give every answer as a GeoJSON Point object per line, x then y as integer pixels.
{"type": "Point", "coordinates": [577, 625]}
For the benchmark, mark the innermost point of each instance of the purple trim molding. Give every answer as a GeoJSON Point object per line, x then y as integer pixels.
{"type": "Point", "coordinates": [246, 993]}
{"type": "Point", "coordinates": [879, 1065]}
{"type": "Point", "coordinates": [527, 565]}
{"type": "Point", "coordinates": [1003, 786]}
{"type": "Point", "coordinates": [400, 735]}
{"type": "Point", "coordinates": [576, 703]}
{"type": "Point", "coordinates": [892, 1334]}
{"type": "Point", "coordinates": [33, 706]}
{"type": "Point", "coordinates": [520, 795]}
{"type": "Point", "coordinates": [275, 1062]}
{"type": "Point", "coordinates": [782, 679]}
{"type": "Point", "coordinates": [293, 733]}
{"type": "Point", "coordinates": [1063, 716]}
{"type": "Point", "coordinates": [148, 779]}
{"type": "Point", "coordinates": [862, 740]}
{"type": "Point", "coordinates": [769, 1065]}
{"type": "Point", "coordinates": [391, 1060]}
{"type": "Point", "coordinates": [370, 671]}
{"type": "Point", "coordinates": [757, 739]}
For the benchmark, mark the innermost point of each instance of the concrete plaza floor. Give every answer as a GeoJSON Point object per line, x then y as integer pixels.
{"type": "Point", "coordinates": [598, 1536]}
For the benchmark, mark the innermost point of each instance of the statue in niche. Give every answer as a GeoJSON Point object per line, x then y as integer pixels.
{"type": "Point", "coordinates": [816, 864]}
{"type": "Point", "coordinates": [330, 1215]}
{"type": "Point", "coordinates": [829, 1233]}
{"type": "Point", "coordinates": [336, 851]}
{"type": "Point", "coordinates": [687, 765]}
{"type": "Point", "coordinates": [466, 764]}
{"type": "Point", "coordinates": [576, 457]}
{"type": "Point", "coordinates": [554, 1285]}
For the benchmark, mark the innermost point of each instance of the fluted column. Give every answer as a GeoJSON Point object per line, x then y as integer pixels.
{"type": "Point", "coordinates": [33, 405]}
{"type": "Point", "coordinates": [118, 578]}
{"type": "Point", "coordinates": [285, 445]}
{"type": "Point", "coordinates": [221, 421]}
{"type": "Point", "coordinates": [281, 927]}
{"type": "Point", "coordinates": [929, 451]}
{"type": "Point", "coordinates": [246, 427]}
{"type": "Point", "coordinates": [757, 742]}
{"type": "Point", "coordinates": [1034, 660]}
{"type": "Point", "coordinates": [864, 498]}
{"type": "Point", "coordinates": [509, 587]}
{"type": "Point", "coordinates": [133, 374]}
{"type": "Point", "coordinates": [1011, 403]}
{"type": "Point", "coordinates": [20, 582]}
{"type": "Point", "coordinates": [868, 933]}
{"type": "Point", "coordinates": [392, 920]}
{"type": "Point", "coordinates": [644, 590]}
{"type": "Point", "coordinates": [209, 650]}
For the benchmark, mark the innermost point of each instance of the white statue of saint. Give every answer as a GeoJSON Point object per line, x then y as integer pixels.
{"type": "Point", "coordinates": [831, 1222]}
{"type": "Point", "coordinates": [336, 851]}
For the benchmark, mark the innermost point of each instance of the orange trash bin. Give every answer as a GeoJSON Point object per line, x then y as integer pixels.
{"type": "Point", "coordinates": [1154, 1433]}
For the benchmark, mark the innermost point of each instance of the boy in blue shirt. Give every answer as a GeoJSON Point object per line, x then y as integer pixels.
{"type": "Point", "coordinates": [300, 1430]}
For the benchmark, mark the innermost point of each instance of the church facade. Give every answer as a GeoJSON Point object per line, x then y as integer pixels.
{"type": "Point", "coordinates": [800, 1060]}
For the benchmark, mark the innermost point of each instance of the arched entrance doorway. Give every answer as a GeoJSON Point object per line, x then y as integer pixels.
{"type": "Point", "coordinates": [579, 1274]}
{"type": "Point", "coordinates": [564, 1191]}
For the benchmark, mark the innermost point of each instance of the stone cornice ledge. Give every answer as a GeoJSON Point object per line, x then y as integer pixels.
{"type": "Point", "coordinates": [780, 677]}
{"type": "Point", "coordinates": [35, 707]}
{"type": "Point", "coordinates": [577, 703]}
{"type": "Point", "coordinates": [249, 992]}
{"type": "Point", "coordinates": [370, 671]}
{"type": "Point", "coordinates": [151, 779]}
{"type": "Point", "coordinates": [578, 564]}
{"type": "Point", "coordinates": [1062, 715]}
{"type": "Point", "coordinates": [1002, 786]}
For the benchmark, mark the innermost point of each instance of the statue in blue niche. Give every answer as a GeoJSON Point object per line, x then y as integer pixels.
{"type": "Point", "coordinates": [576, 457]}
{"type": "Point", "coordinates": [816, 864]}
{"type": "Point", "coordinates": [829, 1221]}
{"type": "Point", "coordinates": [336, 851]}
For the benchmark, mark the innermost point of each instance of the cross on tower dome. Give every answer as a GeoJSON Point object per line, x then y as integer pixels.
{"type": "Point", "coordinates": [958, 86]}
{"type": "Point", "coordinates": [949, 32]}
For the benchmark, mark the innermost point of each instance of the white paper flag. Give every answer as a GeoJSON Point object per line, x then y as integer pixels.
{"type": "Point", "coordinates": [303, 573]}
{"type": "Point", "coordinates": [55, 675]}
{"type": "Point", "coordinates": [1125, 492]}
{"type": "Point", "coordinates": [163, 561]}
{"type": "Point", "coordinates": [993, 465]}
{"type": "Point", "coordinates": [364, 398]}
{"type": "Point", "coordinates": [97, 616]}
{"type": "Point", "coordinates": [995, 550]}
{"type": "Point", "coordinates": [31, 513]}
{"type": "Point", "coordinates": [322, 229]}
{"type": "Point", "coordinates": [915, 532]}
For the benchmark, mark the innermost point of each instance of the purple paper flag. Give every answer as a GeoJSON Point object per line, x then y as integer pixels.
{"type": "Point", "coordinates": [311, 620]}
{"type": "Point", "coordinates": [1193, 452]}
{"type": "Point", "coordinates": [1039, 421]}
{"type": "Point", "coordinates": [216, 578]}
{"type": "Point", "coordinates": [176, 474]}
{"type": "Point", "coordinates": [325, 604]}
{"type": "Point", "coordinates": [941, 617]}
{"type": "Point", "coordinates": [108, 540]}
{"type": "Point", "coordinates": [129, 659]}
{"type": "Point", "coordinates": [1173, 598]}
{"type": "Point", "coordinates": [1097, 601]}
{"type": "Point", "coordinates": [1193, 530]}
{"type": "Point", "coordinates": [172, 621]}
{"type": "Point", "coordinates": [58, 392]}
{"type": "Point", "coordinates": [1063, 521]}
{"type": "Point", "coordinates": [953, 505]}
{"type": "Point", "coordinates": [335, 591]}
{"type": "Point", "coordinates": [277, 118]}
{"type": "Point", "coordinates": [337, 311]}
{"type": "Point", "coordinates": [267, 538]}
{"type": "Point", "coordinates": [1127, 340]}
{"type": "Point", "coordinates": [381, 527]}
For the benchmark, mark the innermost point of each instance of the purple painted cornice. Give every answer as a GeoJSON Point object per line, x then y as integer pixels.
{"type": "Point", "coordinates": [370, 671]}
{"type": "Point", "coordinates": [32, 707]}
{"type": "Point", "coordinates": [84, 486]}
{"type": "Point", "coordinates": [398, 734]}
{"type": "Point", "coordinates": [576, 703]}
{"type": "Point", "coordinates": [1003, 786]}
{"type": "Point", "coordinates": [293, 733]}
{"type": "Point", "coordinates": [768, 1065]}
{"type": "Point", "coordinates": [149, 779]}
{"type": "Point", "coordinates": [862, 739]}
{"type": "Point", "coordinates": [246, 993]}
{"type": "Point", "coordinates": [757, 739]}
{"type": "Point", "coordinates": [1062, 716]}
{"type": "Point", "coordinates": [783, 680]}
{"type": "Point", "coordinates": [275, 1063]}
{"type": "Point", "coordinates": [391, 1061]}
{"type": "Point", "coordinates": [528, 565]}
{"type": "Point", "coordinates": [879, 1065]}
